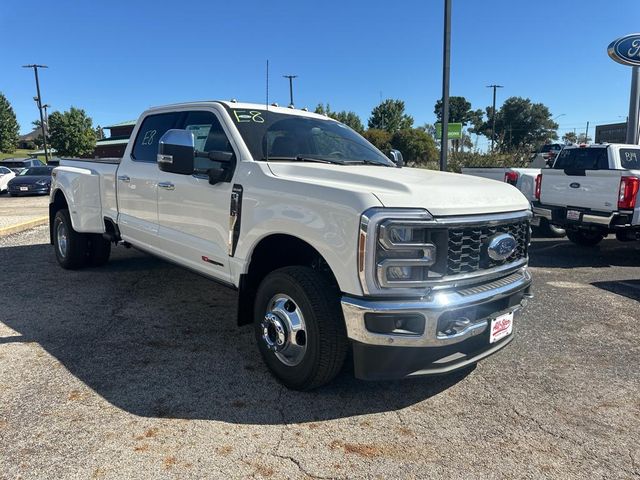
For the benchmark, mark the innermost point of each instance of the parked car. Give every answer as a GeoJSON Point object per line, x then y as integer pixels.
{"type": "Point", "coordinates": [545, 156]}
{"type": "Point", "coordinates": [6, 174]}
{"type": "Point", "coordinates": [330, 245]}
{"type": "Point", "coordinates": [31, 181]}
{"type": "Point", "coordinates": [18, 164]}
{"type": "Point", "coordinates": [525, 180]}
{"type": "Point", "coordinates": [592, 191]}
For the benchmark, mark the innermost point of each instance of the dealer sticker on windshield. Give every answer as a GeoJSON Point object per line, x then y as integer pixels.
{"type": "Point", "coordinates": [501, 327]}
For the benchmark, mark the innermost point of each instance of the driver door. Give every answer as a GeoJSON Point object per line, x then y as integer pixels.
{"type": "Point", "coordinates": [193, 215]}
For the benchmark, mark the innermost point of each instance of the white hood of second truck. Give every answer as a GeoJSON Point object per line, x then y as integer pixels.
{"type": "Point", "coordinates": [441, 193]}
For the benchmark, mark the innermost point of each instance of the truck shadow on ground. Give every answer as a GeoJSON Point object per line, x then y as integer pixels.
{"type": "Point", "coordinates": [158, 341]}
{"type": "Point", "coordinates": [561, 253]}
{"type": "Point", "coordinates": [626, 288]}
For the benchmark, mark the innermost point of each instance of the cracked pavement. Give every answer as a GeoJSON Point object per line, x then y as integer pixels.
{"type": "Point", "coordinates": [137, 370]}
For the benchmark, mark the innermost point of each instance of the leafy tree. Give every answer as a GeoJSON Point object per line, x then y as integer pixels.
{"type": "Point", "coordinates": [99, 133]}
{"type": "Point", "coordinates": [350, 119]}
{"type": "Point", "coordinates": [582, 138]}
{"type": "Point", "coordinates": [520, 124]}
{"type": "Point", "coordinates": [9, 127]}
{"type": "Point", "coordinates": [570, 137]}
{"type": "Point", "coordinates": [390, 116]}
{"type": "Point", "coordinates": [72, 133]}
{"type": "Point", "coordinates": [381, 139]}
{"type": "Point", "coordinates": [459, 112]}
{"type": "Point", "coordinates": [430, 129]}
{"type": "Point", "coordinates": [416, 145]}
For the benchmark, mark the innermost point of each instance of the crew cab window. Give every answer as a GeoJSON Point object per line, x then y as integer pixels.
{"type": "Point", "coordinates": [582, 159]}
{"type": "Point", "coordinates": [145, 148]}
{"type": "Point", "coordinates": [630, 158]}
{"type": "Point", "coordinates": [208, 136]}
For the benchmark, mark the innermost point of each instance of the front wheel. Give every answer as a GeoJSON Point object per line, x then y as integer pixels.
{"type": "Point", "coordinates": [584, 237]}
{"type": "Point", "coordinates": [299, 327]}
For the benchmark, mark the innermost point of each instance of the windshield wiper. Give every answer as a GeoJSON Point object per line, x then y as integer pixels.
{"type": "Point", "coordinates": [368, 162]}
{"type": "Point", "coordinates": [307, 158]}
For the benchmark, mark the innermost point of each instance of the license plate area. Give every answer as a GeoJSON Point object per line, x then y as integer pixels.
{"type": "Point", "coordinates": [501, 327]}
{"type": "Point", "coordinates": [573, 215]}
{"type": "Point", "coordinates": [24, 189]}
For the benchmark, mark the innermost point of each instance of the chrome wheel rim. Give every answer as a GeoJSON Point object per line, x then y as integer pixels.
{"type": "Point", "coordinates": [62, 239]}
{"type": "Point", "coordinates": [283, 330]}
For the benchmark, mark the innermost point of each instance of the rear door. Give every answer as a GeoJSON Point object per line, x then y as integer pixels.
{"type": "Point", "coordinates": [582, 177]}
{"type": "Point", "coordinates": [137, 181]}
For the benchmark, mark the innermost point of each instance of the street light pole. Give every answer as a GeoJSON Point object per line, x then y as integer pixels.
{"type": "Point", "coordinates": [290, 77]}
{"type": "Point", "coordinates": [46, 117]}
{"type": "Point", "coordinates": [493, 114]}
{"type": "Point", "coordinates": [446, 54]}
{"type": "Point", "coordinates": [39, 101]}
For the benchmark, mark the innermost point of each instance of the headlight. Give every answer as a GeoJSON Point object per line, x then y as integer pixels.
{"type": "Point", "coordinates": [43, 182]}
{"type": "Point", "coordinates": [395, 250]}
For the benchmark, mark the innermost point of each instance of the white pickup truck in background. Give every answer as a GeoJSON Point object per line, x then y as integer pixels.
{"type": "Point", "coordinates": [329, 244]}
{"type": "Point", "coordinates": [525, 180]}
{"type": "Point", "coordinates": [591, 191]}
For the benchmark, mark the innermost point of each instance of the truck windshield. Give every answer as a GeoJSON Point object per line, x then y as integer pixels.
{"type": "Point", "coordinates": [582, 159]}
{"type": "Point", "coordinates": [276, 136]}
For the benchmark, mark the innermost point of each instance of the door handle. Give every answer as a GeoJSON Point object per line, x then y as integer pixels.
{"type": "Point", "coordinates": [167, 185]}
{"type": "Point", "coordinates": [124, 178]}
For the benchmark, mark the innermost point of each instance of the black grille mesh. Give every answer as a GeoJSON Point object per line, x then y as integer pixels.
{"type": "Point", "coordinates": [468, 246]}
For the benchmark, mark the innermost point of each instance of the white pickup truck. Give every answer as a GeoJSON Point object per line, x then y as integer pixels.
{"type": "Point", "coordinates": [330, 245]}
{"type": "Point", "coordinates": [592, 191]}
{"type": "Point", "coordinates": [525, 180]}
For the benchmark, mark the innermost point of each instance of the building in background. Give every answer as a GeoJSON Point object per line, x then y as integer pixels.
{"type": "Point", "coordinates": [116, 143]}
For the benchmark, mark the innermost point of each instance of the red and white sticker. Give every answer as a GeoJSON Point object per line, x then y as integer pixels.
{"type": "Point", "coordinates": [501, 327]}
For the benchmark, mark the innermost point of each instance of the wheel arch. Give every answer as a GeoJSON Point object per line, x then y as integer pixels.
{"type": "Point", "coordinates": [59, 202]}
{"type": "Point", "coordinates": [270, 253]}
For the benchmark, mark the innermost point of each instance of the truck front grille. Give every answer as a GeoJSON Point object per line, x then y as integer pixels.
{"type": "Point", "coordinates": [467, 246]}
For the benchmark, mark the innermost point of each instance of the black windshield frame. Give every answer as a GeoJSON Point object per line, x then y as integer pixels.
{"type": "Point", "coordinates": [285, 136]}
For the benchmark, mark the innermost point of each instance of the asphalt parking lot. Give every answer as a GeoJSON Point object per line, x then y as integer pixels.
{"type": "Point", "coordinates": [137, 370]}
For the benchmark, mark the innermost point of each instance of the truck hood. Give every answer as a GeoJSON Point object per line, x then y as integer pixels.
{"type": "Point", "coordinates": [441, 193]}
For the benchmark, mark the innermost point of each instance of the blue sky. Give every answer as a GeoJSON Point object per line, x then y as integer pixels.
{"type": "Point", "coordinates": [116, 58]}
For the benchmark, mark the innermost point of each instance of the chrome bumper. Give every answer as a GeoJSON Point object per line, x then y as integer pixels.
{"type": "Point", "coordinates": [587, 218]}
{"type": "Point", "coordinates": [431, 308]}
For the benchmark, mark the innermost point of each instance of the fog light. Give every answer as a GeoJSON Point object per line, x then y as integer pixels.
{"type": "Point", "coordinates": [395, 324]}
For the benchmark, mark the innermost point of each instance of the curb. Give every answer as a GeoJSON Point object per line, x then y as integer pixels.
{"type": "Point", "coordinates": [20, 227]}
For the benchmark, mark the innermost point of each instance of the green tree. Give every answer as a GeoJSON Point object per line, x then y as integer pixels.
{"type": "Point", "coordinates": [459, 112]}
{"type": "Point", "coordinates": [9, 127]}
{"type": "Point", "coordinates": [582, 138]}
{"type": "Point", "coordinates": [520, 125]}
{"type": "Point", "coordinates": [350, 119]}
{"type": "Point", "coordinates": [416, 145]}
{"type": "Point", "coordinates": [390, 116]}
{"type": "Point", "coordinates": [71, 133]}
{"type": "Point", "coordinates": [381, 139]}
{"type": "Point", "coordinates": [570, 137]}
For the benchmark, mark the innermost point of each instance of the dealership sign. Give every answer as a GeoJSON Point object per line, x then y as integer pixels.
{"type": "Point", "coordinates": [626, 50]}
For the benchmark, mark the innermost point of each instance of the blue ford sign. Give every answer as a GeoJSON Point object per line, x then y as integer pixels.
{"type": "Point", "coordinates": [501, 246]}
{"type": "Point", "coordinates": [626, 50]}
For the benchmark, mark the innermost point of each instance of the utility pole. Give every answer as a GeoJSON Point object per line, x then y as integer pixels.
{"type": "Point", "coordinates": [446, 54]}
{"type": "Point", "coordinates": [39, 102]}
{"type": "Point", "coordinates": [290, 77]}
{"type": "Point", "coordinates": [634, 107]}
{"type": "Point", "coordinates": [493, 114]}
{"type": "Point", "coordinates": [586, 133]}
{"type": "Point", "coordinates": [46, 117]}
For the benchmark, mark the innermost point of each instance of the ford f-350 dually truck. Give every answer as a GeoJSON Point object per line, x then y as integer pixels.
{"type": "Point", "coordinates": [330, 244]}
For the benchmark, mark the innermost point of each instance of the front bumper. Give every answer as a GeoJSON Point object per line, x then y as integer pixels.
{"type": "Point", "coordinates": [39, 190]}
{"type": "Point", "coordinates": [380, 356]}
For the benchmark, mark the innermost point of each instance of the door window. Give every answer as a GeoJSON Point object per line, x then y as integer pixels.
{"type": "Point", "coordinates": [145, 148]}
{"type": "Point", "coordinates": [208, 136]}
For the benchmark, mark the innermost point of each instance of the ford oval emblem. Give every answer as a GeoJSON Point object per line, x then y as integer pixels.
{"type": "Point", "coordinates": [626, 50]}
{"type": "Point", "coordinates": [574, 185]}
{"type": "Point", "coordinates": [501, 246]}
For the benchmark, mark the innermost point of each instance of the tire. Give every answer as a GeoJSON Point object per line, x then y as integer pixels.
{"type": "Point", "coordinates": [302, 362]}
{"type": "Point", "coordinates": [584, 237]}
{"type": "Point", "coordinates": [98, 251]}
{"type": "Point", "coordinates": [549, 230]}
{"type": "Point", "coordinates": [72, 252]}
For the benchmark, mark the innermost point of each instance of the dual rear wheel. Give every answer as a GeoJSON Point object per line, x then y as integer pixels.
{"type": "Point", "coordinates": [74, 249]}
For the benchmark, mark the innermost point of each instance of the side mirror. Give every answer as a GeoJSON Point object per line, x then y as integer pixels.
{"type": "Point", "coordinates": [176, 152]}
{"type": "Point", "coordinates": [396, 157]}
